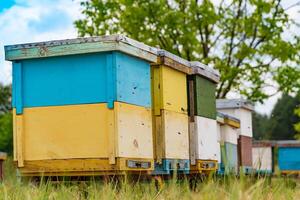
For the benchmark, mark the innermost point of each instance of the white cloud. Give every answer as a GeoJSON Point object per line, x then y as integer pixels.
{"type": "Point", "coordinates": [24, 23]}
{"type": "Point", "coordinates": [35, 20]}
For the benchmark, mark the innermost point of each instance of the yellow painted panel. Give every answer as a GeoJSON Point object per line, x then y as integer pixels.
{"type": "Point", "coordinates": [81, 165]}
{"type": "Point", "coordinates": [174, 90]}
{"type": "Point", "coordinates": [134, 128]}
{"type": "Point", "coordinates": [19, 139]}
{"type": "Point", "coordinates": [14, 135]}
{"type": "Point", "coordinates": [175, 127]}
{"type": "Point", "coordinates": [156, 89]}
{"type": "Point", "coordinates": [62, 132]}
{"type": "Point", "coordinates": [169, 90]}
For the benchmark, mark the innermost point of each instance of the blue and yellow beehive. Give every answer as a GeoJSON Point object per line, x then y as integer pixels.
{"type": "Point", "coordinates": [170, 118]}
{"type": "Point", "coordinates": [82, 106]}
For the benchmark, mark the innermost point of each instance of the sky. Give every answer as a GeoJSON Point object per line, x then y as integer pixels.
{"type": "Point", "coordinates": [23, 21]}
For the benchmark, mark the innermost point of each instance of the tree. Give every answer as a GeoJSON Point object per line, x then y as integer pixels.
{"type": "Point", "coordinates": [283, 118]}
{"type": "Point", "coordinates": [6, 133]}
{"type": "Point", "coordinates": [297, 125]}
{"type": "Point", "coordinates": [243, 39]}
{"type": "Point", "coordinates": [5, 98]}
{"type": "Point", "coordinates": [260, 126]}
{"type": "Point", "coordinates": [6, 127]}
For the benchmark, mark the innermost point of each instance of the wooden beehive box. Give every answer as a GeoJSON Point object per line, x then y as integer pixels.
{"type": "Point", "coordinates": [201, 91]}
{"type": "Point", "coordinates": [170, 119]}
{"type": "Point", "coordinates": [262, 157]}
{"type": "Point", "coordinates": [288, 156]}
{"type": "Point", "coordinates": [228, 137]}
{"type": "Point", "coordinates": [204, 146]}
{"type": "Point", "coordinates": [79, 106]}
{"type": "Point", "coordinates": [242, 110]}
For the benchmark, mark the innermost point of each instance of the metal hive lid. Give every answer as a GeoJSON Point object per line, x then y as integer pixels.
{"type": "Point", "coordinates": [205, 71]}
{"type": "Point", "coordinates": [79, 46]}
{"type": "Point", "coordinates": [234, 103]}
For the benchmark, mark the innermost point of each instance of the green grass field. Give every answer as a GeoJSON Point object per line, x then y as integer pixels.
{"type": "Point", "coordinates": [213, 188]}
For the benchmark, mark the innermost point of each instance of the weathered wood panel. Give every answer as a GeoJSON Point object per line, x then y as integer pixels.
{"type": "Point", "coordinates": [245, 151]}
{"type": "Point", "coordinates": [229, 134]}
{"type": "Point", "coordinates": [205, 99]}
{"type": "Point", "coordinates": [262, 159]}
{"type": "Point", "coordinates": [207, 144]}
{"type": "Point", "coordinates": [81, 46]}
{"type": "Point", "coordinates": [133, 84]}
{"type": "Point", "coordinates": [80, 167]}
{"type": "Point", "coordinates": [176, 135]}
{"type": "Point", "coordinates": [193, 140]}
{"type": "Point", "coordinates": [134, 131]}
{"type": "Point", "coordinates": [170, 90]}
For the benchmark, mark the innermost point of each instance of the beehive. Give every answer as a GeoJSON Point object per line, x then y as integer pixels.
{"type": "Point", "coordinates": [262, 157]}
{"type": "Point", "coordinates": [170, 119]}
{"type": "Point", "coordinates": [79, 108]}
{"type": "Point", "coordinates": [228, 138]}
{"type": "Point", "coordinates": [288, 156]}
{"type": "Point", "coordinates": [242, 110]}
{"type": "Point", "coordinates": [204, 148]}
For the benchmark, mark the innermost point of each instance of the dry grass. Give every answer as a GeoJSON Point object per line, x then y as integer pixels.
{"type": "Point", "coordinates": [212, 189]}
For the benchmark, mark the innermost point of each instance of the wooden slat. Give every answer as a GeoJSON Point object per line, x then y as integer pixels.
{"type": "Point", "coordinates": [82, 48]}
{"type": "Point", "coordinates": [14, 135]}
{"type": "Point", "coordinates": [156, 89]}
{"type": "Point", "coordinates": [159, 139]}
{"type": "Point", "coordinates": [112, 143]}
{"type": "Point", "coordinates": [175, 65]}
{"type": "Point", "coordinates": [133, 131]}
{"type": "Point", "coordinates": [193, 141]}
{"type": "Point", "coordinates": [20, 141]}
{"type": "Point", "coordinates": [191, 98]}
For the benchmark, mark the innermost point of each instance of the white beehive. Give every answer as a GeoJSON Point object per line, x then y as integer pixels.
{"type": "Point", "coordinates": [240, 109]}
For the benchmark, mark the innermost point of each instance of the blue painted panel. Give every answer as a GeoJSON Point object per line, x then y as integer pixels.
{"type": "Point", "coordinates": [81, 79]}
{"type": "Point", "coordinates": [111, 79]}
{"type": "Point", "coordinates": [133, 80]}
{"type": "Point", "coordinates": [18, 73]}
{"type": "Point", "coordinates": [168, 166]}
{"type": "Point", "coordinates": [289, 158]}
{"type": "Point", "coordinates": [65, 80]}
{"type": "Point", "coordinates": [13, 89]}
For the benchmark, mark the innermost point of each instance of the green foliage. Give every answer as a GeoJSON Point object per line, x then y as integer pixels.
{"type": "Point", "coordinates": [281, 123]}
{"type": "Point", "coordinates": [5, 98]}
{"type": "Point", "coordinates": [6, 133]}
{"type": "Point", "coordinates": [283, 118]}
{"type": "Point", "coordinates": [243, 39]}
{"type": "Point", "coordinates": [260, 126]}
{"type": "Point", "coordinates": [297, 125]}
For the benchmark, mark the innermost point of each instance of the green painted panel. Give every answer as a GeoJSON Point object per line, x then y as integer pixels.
{"type": "Point", "coordinates": [205, 99]}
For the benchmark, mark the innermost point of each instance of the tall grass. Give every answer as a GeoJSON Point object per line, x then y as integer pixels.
{"type": "Point", "coordinates": [212, 189]}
